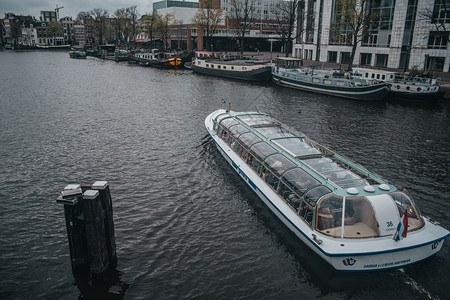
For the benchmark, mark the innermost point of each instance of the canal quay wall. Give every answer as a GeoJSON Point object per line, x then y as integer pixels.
{"type": "Point", "coordinates": [445, 76]}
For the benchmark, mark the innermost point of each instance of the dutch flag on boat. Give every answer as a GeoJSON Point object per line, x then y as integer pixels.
{"type": "Point", "coordinates": [402, 227]}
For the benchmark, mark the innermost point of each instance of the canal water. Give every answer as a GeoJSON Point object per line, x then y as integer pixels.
{"type": "Point", "coordinates": [186, 225]}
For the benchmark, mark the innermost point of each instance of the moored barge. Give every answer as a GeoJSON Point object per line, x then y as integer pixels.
{"type": "Point", "coordinates": [289, 72]}
{"type": "Point", "coordinates": [350, 217]}
{"type": "Point", "coordinates": [407, 87]}
{"type": "Point", "coordinates": [236, 68]}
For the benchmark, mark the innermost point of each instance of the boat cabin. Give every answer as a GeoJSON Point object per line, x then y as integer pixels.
{"type": "Point", "coordinates": [147, 55]}
{"type": "Point", "coordinates": [207, 54]}
{"type": "Point", "coordinates": [332, 194]}
{"type": "Point", "coordinates": [288, 62]}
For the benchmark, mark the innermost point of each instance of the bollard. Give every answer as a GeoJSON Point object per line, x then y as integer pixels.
{"type": "Point", "coordinates": [70, 197]}
{"type": "Point", "coordinates": [94, 222]}
{"type": "Point", "coordinates": [90, 228]}
{"type": "Point", "coordinates": [105, 199]}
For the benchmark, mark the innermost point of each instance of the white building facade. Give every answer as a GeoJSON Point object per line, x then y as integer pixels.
{"type": "Point", "coordinates": [403, 37]}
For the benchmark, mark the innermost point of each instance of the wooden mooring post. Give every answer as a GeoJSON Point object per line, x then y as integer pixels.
{"type": "Point", "coordinates": [90, 228]}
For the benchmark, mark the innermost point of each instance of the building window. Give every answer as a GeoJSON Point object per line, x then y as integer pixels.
{"type": "Point", "coordinates": [332, 56]}
{"type": "Point", "coordinates": [381, 60]}
{"type": "Point", "coordinates": [441, 12]}
{"type": "Point", "coordinates": [434, 63]}
{"type": "Point", "coordinates": [345, 57]}
{"type": "Point", "coordinates": [365, 59]}
{"type": "Point", "coordinates": [311, 12]}
{"type": "Point", "coordinates": [438, 40]}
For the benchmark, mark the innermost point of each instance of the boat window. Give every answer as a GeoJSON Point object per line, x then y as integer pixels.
{"type": "Point", "coordinates": [323, 165]}
{"type": "Point", "coordinates": [335, 172]}
{"type": "Point", "coordinates": [359, 217]}
{"type": "Point", "coordinates": [299, 180]}
{"type": "Point", "coordinates": [289, 196]}
{"type": "Point", "coordinates": [228, 122]}
{"type": "Point", "coordinates": [328, 211]}
{"type": "Point", "coordinates": [279, 163]}
{"type": "Point", "coordinates": [270, 178]}
{"type": "Point", "coordinates": [239, 149]}
{"type": "Point", "coordinates": [220, 118]}
{"type": "Point", "coordinates": [248, 139]}
{"type": "Point", "coordinates": [237, 130]}
{"type": "Point", "coordinates": [344, 178]}
{"type": "Point", "coordinates": [314, 194]}
{"type": "Point", "coordinates": [296, 146]}
{"type": "Point", "coordinates": [253, 120]}
{"type": "Point", "coordinates": [340, 83]}
{"type": "Point", "coordinates": [403, 202]}
{"type": "Point", "coordinates": [262, 150]}
{"type": "Point", "coordinates": [255, 163]}
{"type": "Point", "coordinates": [316, 80]}
{"type": "Point", "coordinates": [306, 212]}
{"type": "Point", "coordinates": [274, 132]}
{"type": "Point", "coordinates": [226, 136]}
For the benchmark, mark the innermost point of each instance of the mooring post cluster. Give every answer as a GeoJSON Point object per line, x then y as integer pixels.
{"type": "Point", "coordinates": [90, 228]}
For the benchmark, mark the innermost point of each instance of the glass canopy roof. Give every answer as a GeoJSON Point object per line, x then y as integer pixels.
{"type": "Point", "coordinates": [266, 136]}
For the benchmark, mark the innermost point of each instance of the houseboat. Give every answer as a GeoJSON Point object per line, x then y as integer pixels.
{"type": "Point", "coordinates": [406, 86]}
{"type": "Point", "coordinates": [350, 217]}
{"type": "Point", "coordinates": [230, 67]}
{"type": "Point", "coordinates": [289, 72]}
{"type": "Point", "coordinates": [156, 60]}
{"type": "Point", "coordinates": [77, 54]}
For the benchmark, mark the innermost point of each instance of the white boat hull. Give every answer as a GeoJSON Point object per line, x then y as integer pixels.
{"type": "Point", "coordinates": [371, 254]}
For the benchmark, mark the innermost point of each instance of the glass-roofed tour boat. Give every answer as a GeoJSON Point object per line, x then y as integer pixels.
{"type": "Point", "coordinates": [350, 217]}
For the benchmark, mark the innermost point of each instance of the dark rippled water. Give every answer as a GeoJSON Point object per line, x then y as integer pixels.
{"type": "Point", "coordinates": [186, 225]}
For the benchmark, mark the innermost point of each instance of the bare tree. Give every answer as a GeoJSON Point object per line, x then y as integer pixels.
{"type": "Point", "coordinates": [439, 16]}
{"type": "Point", "coordinates": [242, 15]}
{"type": "Point", "coordinates": [133, 13]}
{"type": "Point", "coordinates": [2, 34]}
{"type": "Point", "coordinates": [82, 14]}
{"type": "Point", "coordinates": [286, 15]}
{"type": "Point", "coordinates": [163, 31]}
{"type": "Point", "coordinates": [120, 16]}
{"type": "Point", "coordinates": [99, 16]}
{"type": "Point", "coordinates": [208, 19]}
{"type": "Point", "coordinates": [149, 21]}
{"type": "Point", "coordinates": [351, 23]}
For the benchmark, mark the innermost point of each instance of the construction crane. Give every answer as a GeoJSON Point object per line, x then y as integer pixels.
{"type": "Point", "coordinates": [57, 11]}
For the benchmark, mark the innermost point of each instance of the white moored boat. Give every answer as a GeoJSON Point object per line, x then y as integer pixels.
{"type": "Point", "coordinates": [343, 212]}
{"type": "Point", "coordinates": [405, 86]}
